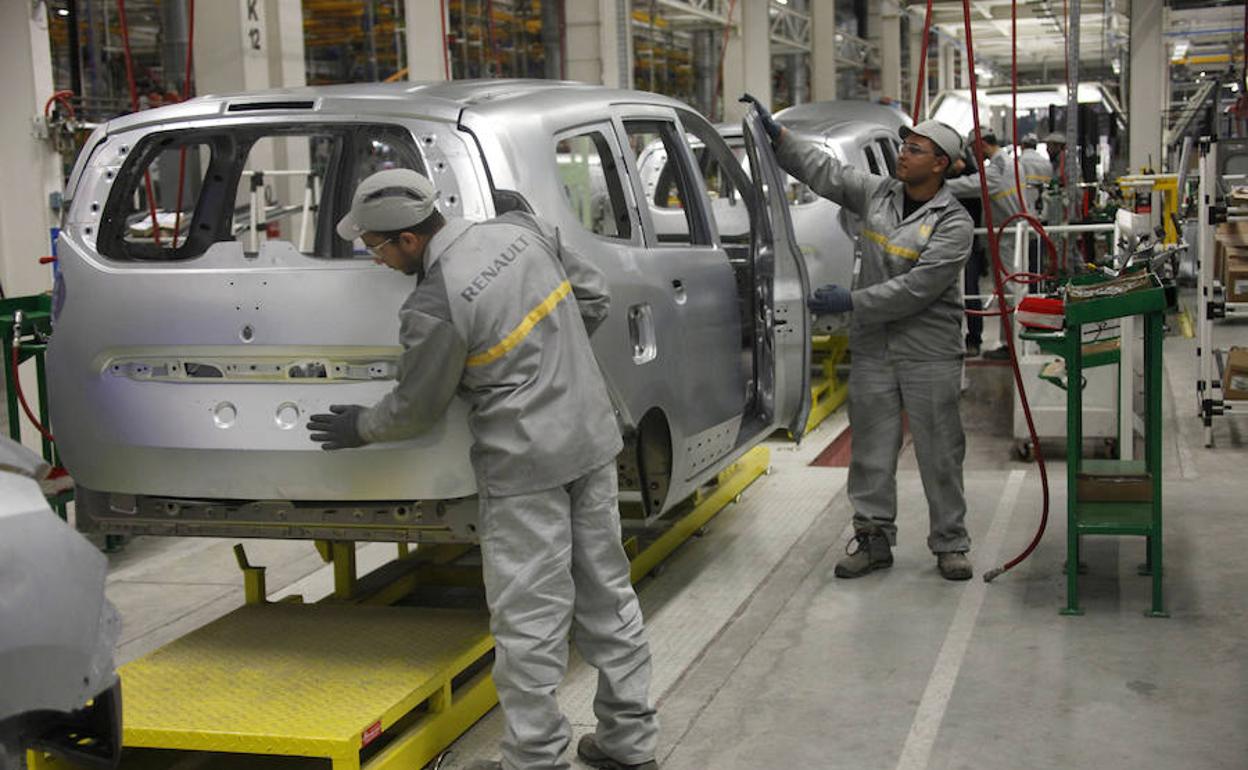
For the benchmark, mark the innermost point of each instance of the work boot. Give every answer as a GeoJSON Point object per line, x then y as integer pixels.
{"type": "Point", "coordinates": [870, 551]}
{"type": "Point", "coordinates": [593, 756]}
{"type": "Point", "coordinates": [954, 565]}
{"type": "Point", "coordinates": [998, 354]}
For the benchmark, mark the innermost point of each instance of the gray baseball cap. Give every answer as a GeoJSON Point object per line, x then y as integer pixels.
{"type": "Point", "coordinates": [1030, 140]}
{"type": "Point", "coordinates": [387, 201]}
{"type": "Point", "coordinates": [942, 134]}
{"type": "Point", "coordinates": [1057, 137]}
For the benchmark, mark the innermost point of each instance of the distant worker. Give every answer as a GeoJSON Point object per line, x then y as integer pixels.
{"type": "Point", "coordinates": [1053, 208]}
{"type": "Point", "coordinates": [1037, 172]}
{"type": "Point", "coordinates": [1003, 196]}
{"type": "Point", "coordinates": [1055, 145]}
{"type": "Point", "coordinates": [905, 335]}
{"type": "Point", "coordinates": [502, 314]}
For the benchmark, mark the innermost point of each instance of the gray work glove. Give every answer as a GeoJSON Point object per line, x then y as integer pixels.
{"type": "Point", "coordinates": [831, 299]}
{"type": "Point", "coordinates": [339, 430]}
{"type": "Point", "coordinates": [764, 114]}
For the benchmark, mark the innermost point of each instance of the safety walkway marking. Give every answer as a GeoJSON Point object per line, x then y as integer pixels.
{"type": "Point", "coordinates": [917, 751]}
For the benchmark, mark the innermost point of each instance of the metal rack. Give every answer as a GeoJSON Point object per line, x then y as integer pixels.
{"type": "Point", "coordinates": [1212, 304]}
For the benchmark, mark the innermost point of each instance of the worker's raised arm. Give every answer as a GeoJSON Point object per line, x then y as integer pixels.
{"type": "Point", "coordinates": [589, 284]}
{"type": "Point", "coordinates": [808, 161]}
{"type": "Point", "coordinates": [430, 368]}
{"type": "Point", "coordinates": [938, 267]}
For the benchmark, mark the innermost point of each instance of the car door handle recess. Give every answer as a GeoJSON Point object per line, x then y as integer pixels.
{"type": "Point", "coordinates": [641, 334]}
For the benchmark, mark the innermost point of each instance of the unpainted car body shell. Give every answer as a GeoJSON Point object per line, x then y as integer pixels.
{"type": "Point", "coordinates": [133, 426]}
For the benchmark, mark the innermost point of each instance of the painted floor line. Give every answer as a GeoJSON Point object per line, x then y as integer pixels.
{"type": "Point", "coordinates": [917, 750]}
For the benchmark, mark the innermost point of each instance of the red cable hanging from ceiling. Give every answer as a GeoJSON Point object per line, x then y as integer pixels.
{"type": "Point", "coordinates": [920, 88]}
{"type": "Point", "coordinates": [134, 106]}
{"type": "Point", "coordinates": [186, 94]}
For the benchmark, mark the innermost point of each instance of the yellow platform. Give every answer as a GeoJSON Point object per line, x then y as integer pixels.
{"type": "Point", "coordinates": [363, 686]}
{"type": "Point", "coordinates": [302, 680]}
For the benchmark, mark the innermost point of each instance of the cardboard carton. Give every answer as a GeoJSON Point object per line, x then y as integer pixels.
{"type": "Point", "coordinates": [1235, 278]}
{"type": "Point", "coordinates": [1235, 376]}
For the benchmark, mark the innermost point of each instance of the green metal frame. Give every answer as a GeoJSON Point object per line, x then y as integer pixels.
{"type": "Point", "coordinates": [1114, 517]}
{"type": "Point", "coordinates": [36, 326]}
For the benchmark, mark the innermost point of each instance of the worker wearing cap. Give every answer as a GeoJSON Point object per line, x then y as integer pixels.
{"type": "Point", "coordinates": [501, 314]}
{"type": "Point", "coordinates": [905, 335]}
{"type": "Point", "coordinates": [1054, 206]}
{"type": "Point", "coordinates": [1037, 172]}
{"type": "Point", "coordinates": [1003, 189]}
{"type": "Point", "coordinates": [1055, 145]}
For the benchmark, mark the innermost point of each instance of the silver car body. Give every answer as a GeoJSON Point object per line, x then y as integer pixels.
{"type": "Point", "coordinates": [182, 378]}
{"type": "Point", "coordinates": [58, 688]}
{"type": "Point", "coordinates": [861, 134]}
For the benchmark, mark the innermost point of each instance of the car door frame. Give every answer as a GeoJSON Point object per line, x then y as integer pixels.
{"type": "Point", "coordinates": [708, 399]}
{"type": "Point", "coordinates": [782, 283]}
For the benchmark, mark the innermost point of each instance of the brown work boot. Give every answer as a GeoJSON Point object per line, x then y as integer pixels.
{"type": "Point", "coordinates": [954, 565]}
{"type": "Point", "coordinates": [867, 552]}
{"type": "Point", "coordinates": [587, 749]}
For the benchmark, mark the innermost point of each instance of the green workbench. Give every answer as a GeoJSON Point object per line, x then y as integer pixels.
{"type": "Point", "coordinates": [1112, 497]}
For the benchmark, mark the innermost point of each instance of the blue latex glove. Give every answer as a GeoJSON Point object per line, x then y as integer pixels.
{"type": "Point", "coordinates": [831, 299]}
{"type": "Point", "coordinates": [339, 430]}
{"type": "Point", "coordinates": [769, 123]}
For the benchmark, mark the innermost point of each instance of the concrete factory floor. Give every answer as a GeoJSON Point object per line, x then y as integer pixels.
{"type": "Point", "coordinates": [764, 660]}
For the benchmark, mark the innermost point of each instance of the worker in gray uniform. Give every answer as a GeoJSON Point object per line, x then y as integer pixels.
{"type": "Point", "coordinates": [1003, 189]}
{"type": "Point", "coordinates": [905, 335]}
{"type": "Point", "coordinates": [501, 315]}
{"type": "Point", "coordinates": [1037, 172]}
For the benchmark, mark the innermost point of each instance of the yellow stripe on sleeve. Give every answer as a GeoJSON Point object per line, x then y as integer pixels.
{"type": "Point", "coordinates": [521, 331]}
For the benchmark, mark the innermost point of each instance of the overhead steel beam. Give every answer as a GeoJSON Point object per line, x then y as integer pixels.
{"type": "Point", "coordinates": [790, 30]}
{"type": "Point", "coordinates": [696, 13]}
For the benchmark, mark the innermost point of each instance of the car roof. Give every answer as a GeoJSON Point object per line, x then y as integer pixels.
{"type": "Point", "coordinates": [435, 100]}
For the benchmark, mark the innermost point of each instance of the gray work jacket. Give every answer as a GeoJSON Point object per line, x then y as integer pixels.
{"type": "Point", "coordinates": [908, 292]}
{"type": "Point", "coordinates": [503, 317]}
{"type": "Point", "coordinates": [1003, 193]}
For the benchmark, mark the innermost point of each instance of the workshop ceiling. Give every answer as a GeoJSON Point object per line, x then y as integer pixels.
{"type": "Point", "coordinates": [1041, 29]}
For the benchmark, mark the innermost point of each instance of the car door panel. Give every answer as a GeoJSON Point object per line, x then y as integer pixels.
{"type": "Point", "coordinates": [783, 285]}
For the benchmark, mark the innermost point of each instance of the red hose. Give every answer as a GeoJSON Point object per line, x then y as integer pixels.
{"type": "Point", "coordinates": [1018, 174]}
{"type": "Point", "coordinates": [134, 106]}
{"type": "Point", "coordinates": [14, 359]}
{"type": "Point", "coordinates": [999, 277]}
{"type": "Point", "coordinates": [64, 98]}
{"type": "Point", "coordinates": [186, 94]}
{"type": "Point", "coordinates": [920, 88]}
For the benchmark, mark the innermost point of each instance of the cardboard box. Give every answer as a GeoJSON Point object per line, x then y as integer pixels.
{"type": "Point", "coordinates": [1234, 232]}
{"type": "Point", "coordinates": [1235, 376]}
{"type": "Point", "coordinates": [1235, 278]}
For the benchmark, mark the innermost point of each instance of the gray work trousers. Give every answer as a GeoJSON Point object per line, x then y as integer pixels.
{"type": "Point", "coordinates": [879, 389]}
{"type": "Point", "coordinates": [554, 562]}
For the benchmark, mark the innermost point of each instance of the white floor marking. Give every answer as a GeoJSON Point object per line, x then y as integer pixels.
{"type": "Point", "coordinates": [931, 711]}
